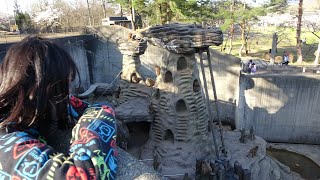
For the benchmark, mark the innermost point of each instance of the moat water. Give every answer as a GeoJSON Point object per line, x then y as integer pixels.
{"type": "Point", "coordinates": [298, 163]}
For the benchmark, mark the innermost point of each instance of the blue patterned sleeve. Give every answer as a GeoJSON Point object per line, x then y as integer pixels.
{"type": "Point", "coordinates": [92, 152]}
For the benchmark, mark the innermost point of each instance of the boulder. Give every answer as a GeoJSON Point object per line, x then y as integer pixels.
{"type": "Point", "coordinates": [134, 110]}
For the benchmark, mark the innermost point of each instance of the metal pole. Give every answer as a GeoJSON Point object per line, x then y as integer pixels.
{"type": "Point", "coordinates": [215, 98]}
{"type": "Point", "coordinates": [208, 103]}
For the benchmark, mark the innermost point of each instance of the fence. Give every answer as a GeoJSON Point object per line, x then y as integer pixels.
{"type": "Point", "coordinates": [9, 37]}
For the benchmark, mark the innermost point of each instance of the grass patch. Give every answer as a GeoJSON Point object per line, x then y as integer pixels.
{"type": "Point", "coordinates": [260, 42]}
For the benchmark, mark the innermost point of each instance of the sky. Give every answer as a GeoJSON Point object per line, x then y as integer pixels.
{"type": "Point", "coordinates": [7, 5]}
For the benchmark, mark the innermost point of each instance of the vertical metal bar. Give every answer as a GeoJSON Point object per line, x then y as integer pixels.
{"type": "Point", "coordinates": [208, 103]}
{"type": "Point", "coordinates": [215, 98]}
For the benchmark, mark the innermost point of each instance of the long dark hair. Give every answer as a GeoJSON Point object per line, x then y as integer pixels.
{"type": "Point", "coordinates": [34, 84]}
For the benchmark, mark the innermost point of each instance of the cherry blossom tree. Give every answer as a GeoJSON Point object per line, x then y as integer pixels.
{"type": "Point", "coordinates": [47, 18]}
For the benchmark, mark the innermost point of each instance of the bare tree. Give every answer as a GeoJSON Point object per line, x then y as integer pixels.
{"type": "Point", "coordinates": [232, 6]}
{"type": "Point", "coordinates": [104, 8]}
{"type": "Point", "coordinates": [313, 27]}
{"type": "Point", "coordinates": [89, 13]}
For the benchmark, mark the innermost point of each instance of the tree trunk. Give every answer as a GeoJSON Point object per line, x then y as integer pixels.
{"type": "Point", "coordinates": [316, 61]}
{"type": "Point", "coordinates": [89, 13]}
{"type": "Point", "coordinates": [243, 33]}
{"type": "Point", "coordinates": [273, 48]}
{"type": "Point", "coordinates": [104, 8]}
{"type": "Point", "coordinates": [231, 38]}
{"type": "Point", "coordinates": [132, 16]}
{"type": "Point", "coordinates": [231, 29]}
{"type": "Point", "coordinates": [243, 37]}
{"type": "Point", "coordinates": [299, 53]}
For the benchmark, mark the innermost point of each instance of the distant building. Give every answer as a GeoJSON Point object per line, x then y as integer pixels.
{"type": "Point", "coordinates": [117, 20]}
{"type": "Point", "coordinates": [293, 1]}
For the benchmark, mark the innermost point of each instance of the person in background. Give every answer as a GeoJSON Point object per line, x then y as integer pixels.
{"type": "Point", "coordinates": [285, 58]}
{"type": "Point", "coordinates": [249, 66]}
{"type": "Point", "coordinates": [253, 68]}
{"type": "Point", "coordinates": [34, 102]}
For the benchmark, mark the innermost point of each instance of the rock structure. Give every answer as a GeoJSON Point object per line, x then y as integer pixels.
{"type": "Point", "coordinates": [179, 134]}
{"type": "Point", "coordinates": [183, 38]}
{"type": "Point", "coordinates": [131, 77]}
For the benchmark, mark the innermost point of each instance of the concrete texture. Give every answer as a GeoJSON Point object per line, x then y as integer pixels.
{"type": "Point", "coordinates": [226, 71]}
{"type": "Point", "coordinates": [252, 156]}
{"type": "Point", "coordinates": [280, 108]}
{"type": "Point", "coordinates": [130, 168]}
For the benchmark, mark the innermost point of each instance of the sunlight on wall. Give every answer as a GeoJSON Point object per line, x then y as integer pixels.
{"type": "Point", "coordinates": [266, 95]}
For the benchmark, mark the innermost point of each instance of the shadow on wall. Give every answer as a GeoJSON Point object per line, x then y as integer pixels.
{"type": "Point", "coordinates": [226, 72]}
{"type": "Point", "coordinates": [280, 108]}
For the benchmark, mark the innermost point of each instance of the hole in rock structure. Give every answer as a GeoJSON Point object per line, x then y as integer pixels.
{"type": "Point", "coordinates": [168, 77]}
{"type": "Point", "coordinates": [196, 86]}
{"type": "Point", "coordinates": [182, 63]}
{"type": "Point", "coordinates": [157, 93]}
{"type": "Point", "coordinates": [168, 136]}
{"type": "Point", "coordinates": [139, 135]}
{"type": "Point", "coordinates": [181, 106]}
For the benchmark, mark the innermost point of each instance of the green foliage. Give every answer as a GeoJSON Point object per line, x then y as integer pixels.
{"type": "Point", "coordinates": [191, 10]}
{"type": "Point", "coordinates": [277, 6]}
{"type": "Point", "coordinates": [235, 12]}
{"type": "Point", "coordinates": [140, 6]}
{"type": "Point", "coordinates": [23, 21]}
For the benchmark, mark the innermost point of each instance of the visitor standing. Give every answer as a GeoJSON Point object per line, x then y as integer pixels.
{"type": "Point", "coordinates": [253, 68]}
{"type": "Point", "coordinates": [249, 66]}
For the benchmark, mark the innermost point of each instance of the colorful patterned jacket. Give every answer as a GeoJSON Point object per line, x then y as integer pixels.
{"type": "Point", "coordinates": [91, 156]}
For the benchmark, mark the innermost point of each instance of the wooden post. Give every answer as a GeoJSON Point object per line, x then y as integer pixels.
{"type": "Point", "coordinates": [208, 103]}
{"type": "Point", "coordinates": [215, 99]}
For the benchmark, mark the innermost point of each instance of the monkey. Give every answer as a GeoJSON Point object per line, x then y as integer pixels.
{"type": "Point", "coordinates": [205, 168]}
{"type": "Point", "coordinates": [157, 69]}
{"type": "Point", "coordinates": [129, 36]}
{"type": "Point", "coordinates": [134, 78]}
{"type": "Point", "coordinates": [149, 82]}
{"type": "Point", "coordinates": [156, 162]}
{"type": "Point", "coordinates": [253, 152]}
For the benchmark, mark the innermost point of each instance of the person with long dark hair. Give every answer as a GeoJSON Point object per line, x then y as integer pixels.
{"type": "Point", "coordinates": [35, 78]}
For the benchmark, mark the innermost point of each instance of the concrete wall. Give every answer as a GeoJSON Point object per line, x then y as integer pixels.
{"type": "Point", "coordinates": [75, 46]}
{"type": "Point", "coordinates": [104, 59]}
{"type": "Point", "coordinates": [226, 71]}
{"type": "Point", "coordinates": [97, 60]}
{"type": "Point", "coordinates": [281, 108]}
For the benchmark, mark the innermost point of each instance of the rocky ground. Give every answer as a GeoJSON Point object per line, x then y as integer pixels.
{"type": "Point", "coordinates": [252, 156]}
